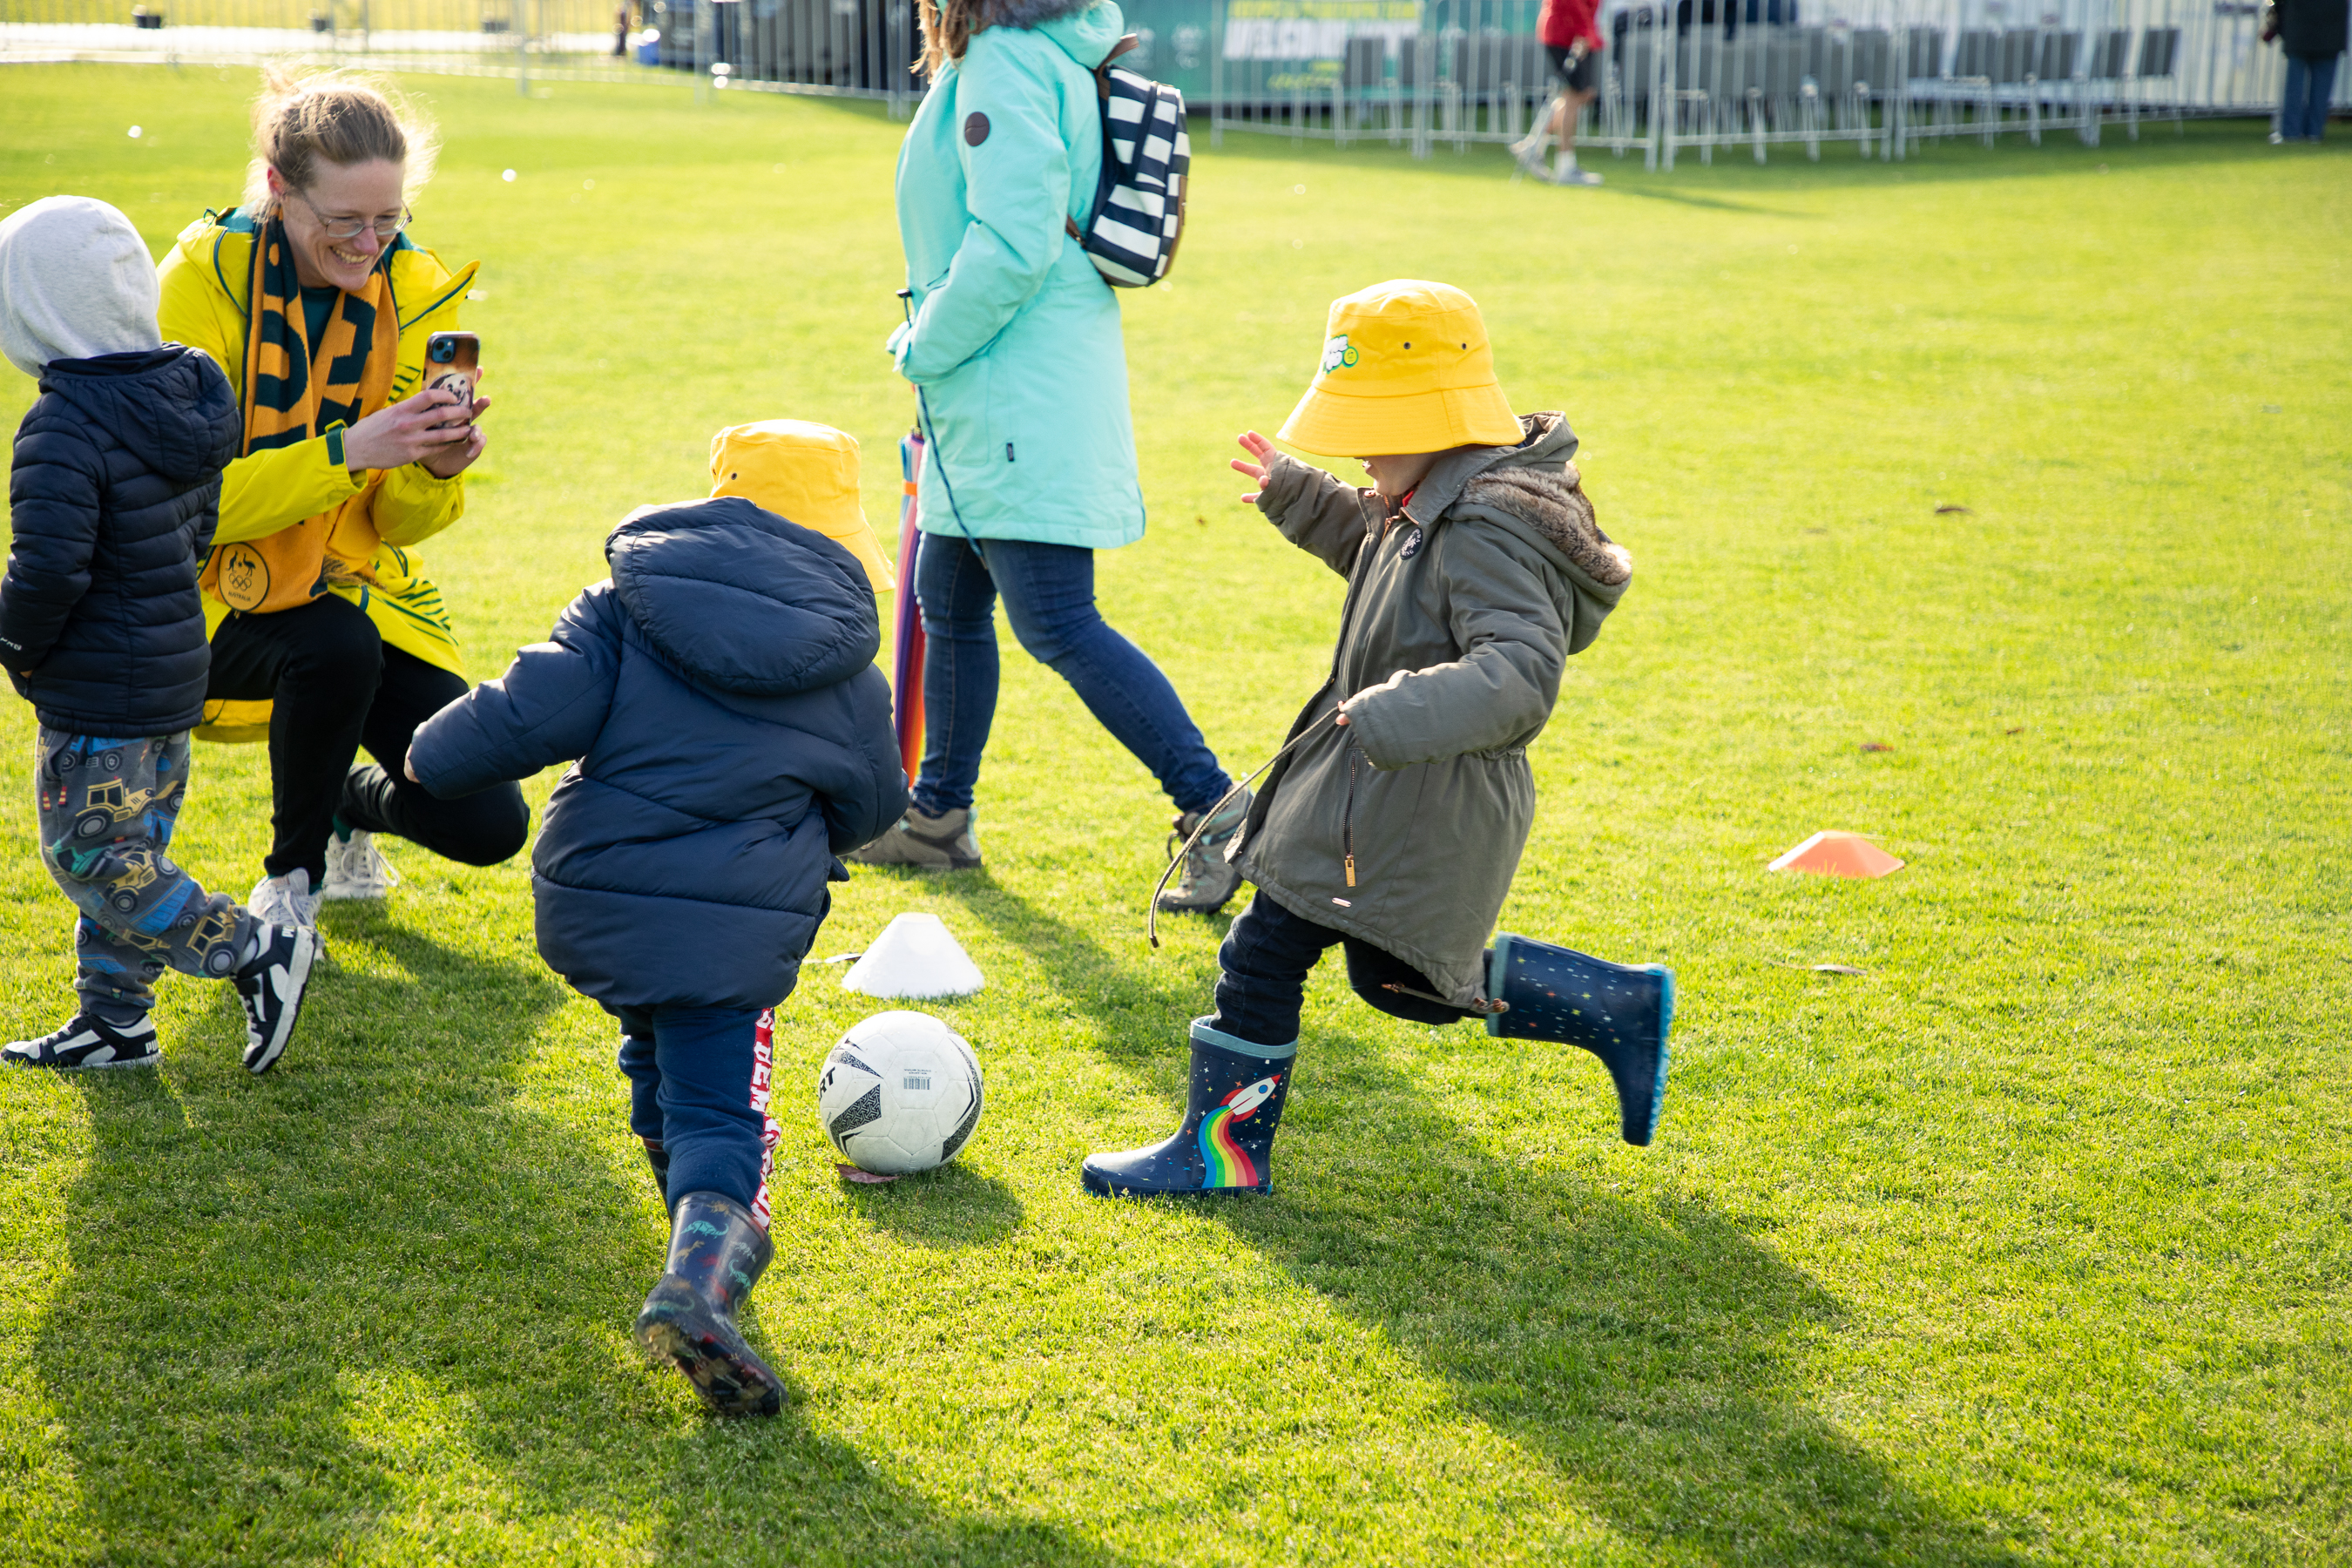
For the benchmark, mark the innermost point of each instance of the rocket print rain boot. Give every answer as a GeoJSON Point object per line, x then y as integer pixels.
{"type": "Point", "coordinates": [716, 1251]}
{"type": "Point", "coordinates": [1226, 1144]}
{"type": "Point", "coordinates": [1621, 1012]}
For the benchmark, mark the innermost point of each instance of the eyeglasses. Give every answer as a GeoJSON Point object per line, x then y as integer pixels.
{"type": "Point", "coordinates": [386, 229]}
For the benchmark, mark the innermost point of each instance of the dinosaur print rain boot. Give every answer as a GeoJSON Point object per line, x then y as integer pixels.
{"type": "Point", "coordinates": [1621, 1012]}
{"type": "Point", "coordinates": [716, 1251]}
{"type": "Point", "coordinates": [1226, 1144]}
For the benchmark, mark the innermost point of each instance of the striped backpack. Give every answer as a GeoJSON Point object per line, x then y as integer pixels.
{"type": "Point", "coordinates": [1139, 212]}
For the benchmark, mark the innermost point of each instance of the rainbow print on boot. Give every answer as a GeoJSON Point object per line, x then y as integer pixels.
{"type": "Point", "coordinates": [1228, 1164]}
{"type": "Point", "coordinates": [1225, 1144]}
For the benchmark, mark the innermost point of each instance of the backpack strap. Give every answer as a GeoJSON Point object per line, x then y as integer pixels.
{"type": "Point", "coordinates": [1102, 90]}
{"type": "Point", "coordinates": [1102, 71]}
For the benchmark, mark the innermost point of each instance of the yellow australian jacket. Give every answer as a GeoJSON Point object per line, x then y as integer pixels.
{"type": "Point", "coordinates": [206, 279]}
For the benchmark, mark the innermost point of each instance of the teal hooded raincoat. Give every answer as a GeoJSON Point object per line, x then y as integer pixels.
{"type": "Point", "coordinates": [1015, 338]}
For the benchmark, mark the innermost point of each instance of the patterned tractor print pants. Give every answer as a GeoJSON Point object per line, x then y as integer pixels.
{"type": "Point", "coordinates": [108, 807]}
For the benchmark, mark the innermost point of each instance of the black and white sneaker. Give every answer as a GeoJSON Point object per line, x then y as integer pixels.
{"type": "Point", "coordinates": [88, 1042]}
{"type": "Point", "coordinates": [271, 989]}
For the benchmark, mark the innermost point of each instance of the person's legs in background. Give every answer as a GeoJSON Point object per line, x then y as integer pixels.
{"type": "Point", "coordinates": [2297, 96]}
{"type": "Point", "coordinates": [2323, 91]}
{"type": "Point", "coordinates": [960, 669]}
{"type": "Point", "coordinates": [319, 665]}
{"type": "Point", "coordinates": [1049, 597]}
{"type": "Point", "coordinates": [479, 829]}
{"type": "Point", "coordinates": [958, 607]}
{"type": "Point", "coordinates": [1566, 114]}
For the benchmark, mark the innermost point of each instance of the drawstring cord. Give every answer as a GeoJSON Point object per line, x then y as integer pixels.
{"type": "Point", "coordinates": [923, 419]}
{"type": "Point", "coordinates": [1151, 920]}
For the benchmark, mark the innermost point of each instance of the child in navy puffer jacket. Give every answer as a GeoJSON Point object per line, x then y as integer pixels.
{"type": "Point", "coordinates": [113, 495]}
{"type": "Point", "coordinates": [730, 739]}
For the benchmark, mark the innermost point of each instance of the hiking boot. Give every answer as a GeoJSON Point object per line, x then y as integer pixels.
{"type": "Point", "coordinates": [356, 869]}
{"type": "Point", "coordinates": [286, 900]}
{"type": "Point", "coordinates": [717, 1252]}
{"type": "Point", "coordinates": [272, 985]}
{"type": "Point", "coordinates": [942, 843]}
{"type": "Point", "coordinates": [89, 1041]}
{"type": "Point", "coordinates": [1206, 882]}
{"type": "Point", "coordinates": [1225, 1144]}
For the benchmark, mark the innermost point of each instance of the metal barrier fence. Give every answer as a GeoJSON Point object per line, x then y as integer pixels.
{"type": "Point", "coordinates": [1885, 76]}
{"type": "Point", "coordinates": [858, 48]}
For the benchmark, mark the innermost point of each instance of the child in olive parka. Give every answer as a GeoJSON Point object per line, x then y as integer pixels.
{"type": "Point", "coordinates": [1393, 824]}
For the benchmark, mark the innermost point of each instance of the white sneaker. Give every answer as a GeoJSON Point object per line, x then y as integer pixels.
{"type": "Point", "coordinates": [1574, 177]}
{"type": "Point", "coordinates": [284, 900]}
{"type": "Point", "coordinates": [356, 869]}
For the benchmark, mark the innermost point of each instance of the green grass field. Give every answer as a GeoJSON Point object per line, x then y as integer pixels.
{"type": "Point", "coordinates": [2028, 1244]}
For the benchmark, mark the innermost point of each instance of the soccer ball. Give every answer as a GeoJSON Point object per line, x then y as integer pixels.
{"type": "Point", "coordinates": [901, 1093]}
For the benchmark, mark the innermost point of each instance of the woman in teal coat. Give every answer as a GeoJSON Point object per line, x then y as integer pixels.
{"type": "Point", "coordinates": [1013, 343]}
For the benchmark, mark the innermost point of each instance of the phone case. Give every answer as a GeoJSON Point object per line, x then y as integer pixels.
{"type": "Point", "coordinates": [453, 363]}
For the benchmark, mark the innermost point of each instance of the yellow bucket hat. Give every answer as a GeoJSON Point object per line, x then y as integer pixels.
{"type": "Point", "coordinates": [805, 473]}
{"type": "Point", "coordinates": [1406, 368]}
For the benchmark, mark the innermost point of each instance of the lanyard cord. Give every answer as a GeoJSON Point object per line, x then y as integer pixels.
{"type": "Point", "coordinates": [1152, 918]}
{"type": "Point", "coordinates": [923, 417]}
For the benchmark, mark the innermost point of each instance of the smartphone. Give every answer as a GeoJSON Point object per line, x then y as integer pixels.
{"type": "Point", "coordinates": [453, 362]}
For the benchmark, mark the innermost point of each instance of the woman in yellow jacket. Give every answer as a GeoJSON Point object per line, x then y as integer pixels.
{"type": "Point", "coordinates": [326, 637]}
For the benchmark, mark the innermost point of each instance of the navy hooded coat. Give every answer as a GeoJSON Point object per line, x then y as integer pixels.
{"type": "Point", "coordinates": [732, 739]}
{"type": "Point", "coordinates": [112, 498]}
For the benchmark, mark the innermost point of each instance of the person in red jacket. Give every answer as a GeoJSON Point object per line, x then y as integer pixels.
{"type": "Point", "coordinates": [1570, 34]}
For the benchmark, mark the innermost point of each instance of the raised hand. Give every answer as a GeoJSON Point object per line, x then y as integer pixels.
{"type": "Point", "coordinates": [1260, 448]}
{"type": "Point", "coordinates": [417, 429]}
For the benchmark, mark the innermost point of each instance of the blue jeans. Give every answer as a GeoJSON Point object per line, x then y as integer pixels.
{"type": "Point", "coordinates": [1049, 597]}
{"type": "Point", "coordinates": [2310, 83]}
{"type": "Point", "coordinates": [698, 1082]}
{"type": "Point", "coordinates": [1264, 962]}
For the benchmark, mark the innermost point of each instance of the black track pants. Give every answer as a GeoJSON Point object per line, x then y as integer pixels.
{"type": "Point", "coordinates": [335, 687]}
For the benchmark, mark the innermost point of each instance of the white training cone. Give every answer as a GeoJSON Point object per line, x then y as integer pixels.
{"type": "Point", "coordinates": [915, 956]}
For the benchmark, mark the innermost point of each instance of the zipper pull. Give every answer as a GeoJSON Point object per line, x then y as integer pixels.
{"type": "Point", "coordinates": [1351, 870]}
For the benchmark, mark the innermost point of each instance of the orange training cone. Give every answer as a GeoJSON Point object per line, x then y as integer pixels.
{"type": "Point", "coordinates": [1838, 855]}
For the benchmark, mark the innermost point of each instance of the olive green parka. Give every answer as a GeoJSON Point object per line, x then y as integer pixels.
{"type": "Point", "coordinates": [1404, 828]}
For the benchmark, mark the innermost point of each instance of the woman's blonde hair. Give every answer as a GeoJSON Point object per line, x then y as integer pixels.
{"type": "Point", "coordinates": [303, 119]}
{"type": "Point", "coordinates": [947, 28]}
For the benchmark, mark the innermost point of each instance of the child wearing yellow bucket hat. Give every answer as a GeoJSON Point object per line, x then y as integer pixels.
{"type": "Point", "coordinates": [1392, 823]}
{"type": "Point", "coordinates": [805, 473]}
{"type": "Point", "coordinates": [730, 739]}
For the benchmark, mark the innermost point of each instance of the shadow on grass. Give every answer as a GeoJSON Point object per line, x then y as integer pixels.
{"type": "Point", "coordinates": [947, 1210]}
{"type": "Point", "coordinates": [378, 1302]}
{"type": "Point", "coordinates": [1649, 1351]}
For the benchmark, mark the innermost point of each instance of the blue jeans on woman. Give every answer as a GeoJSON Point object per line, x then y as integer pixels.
{"type": "Point", "coordinates": [1049, 597]}
{"type": "Point", "coordinates": [2310, 83]}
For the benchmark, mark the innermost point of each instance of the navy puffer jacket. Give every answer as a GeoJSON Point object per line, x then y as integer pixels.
{"type": "Point", "coordinates": [113, 501]}
{"type": "Point", "coordinates": [733, 739]}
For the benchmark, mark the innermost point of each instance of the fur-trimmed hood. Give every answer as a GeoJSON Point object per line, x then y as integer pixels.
{"type": "Point", "coordinates": [1536, 483]}
{"type": "Point", "coordinates": [1554, 503]}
